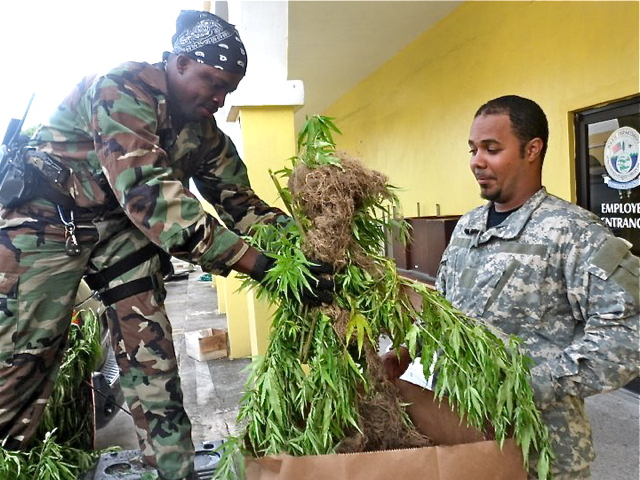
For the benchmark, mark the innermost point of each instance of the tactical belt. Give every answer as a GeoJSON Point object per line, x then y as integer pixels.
{"type": "Point", "coordinates": [100, 280]}
{"type": "Point", "coordinates": [53, 177]}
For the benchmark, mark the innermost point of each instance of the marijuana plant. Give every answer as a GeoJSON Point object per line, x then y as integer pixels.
{"type": "Point", "coordinates": [320, 387]}
{"type": "Point", "coordinates": [62, 449]}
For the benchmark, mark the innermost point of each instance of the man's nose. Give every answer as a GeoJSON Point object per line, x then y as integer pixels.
{"type": "Point", "coordinates": [477, 161]}
{"type": "Point", "coordinates": [219, 98]}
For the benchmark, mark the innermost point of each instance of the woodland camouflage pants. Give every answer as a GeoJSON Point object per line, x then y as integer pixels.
{"type": "Point", "coordinates": [38, 284]}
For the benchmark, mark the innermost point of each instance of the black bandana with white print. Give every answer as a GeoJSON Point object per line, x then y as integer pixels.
{"type": "Point", "coordinates": [208, 39]}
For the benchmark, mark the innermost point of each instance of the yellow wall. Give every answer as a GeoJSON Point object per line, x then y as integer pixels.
{"type": "Point", "coordinates": [269, 139]}
{"type": "Point", "coordinates": [411, 118]}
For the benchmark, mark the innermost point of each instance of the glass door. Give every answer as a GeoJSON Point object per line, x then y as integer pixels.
{"type": "Point", "coordinates": [608, 170]}
{"type": "Point", "coordinates": [608, 167]}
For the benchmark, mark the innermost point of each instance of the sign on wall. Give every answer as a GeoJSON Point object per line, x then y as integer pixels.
{"type": "Point", "coordinates": [623, 174]}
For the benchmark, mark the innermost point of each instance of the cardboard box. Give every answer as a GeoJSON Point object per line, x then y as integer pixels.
{"type": "Point", "coordinates": [462, 453]}
{"type": "Point", "coordinates": [207, 344]}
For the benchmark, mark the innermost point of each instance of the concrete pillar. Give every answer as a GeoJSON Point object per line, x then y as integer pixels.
{"type": "Point", "coordinates": [260, 115]}
{"type": "Point", "coordinates": [220, 285]}
{"type": "Point", "coordinates": [237, 310]}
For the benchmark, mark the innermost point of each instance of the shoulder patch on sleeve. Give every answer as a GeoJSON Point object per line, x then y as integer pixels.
{"type": "Point", "coordinates": [609, 257]}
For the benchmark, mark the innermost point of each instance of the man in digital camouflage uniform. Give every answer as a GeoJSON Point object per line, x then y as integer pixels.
{"type": "Point", "coordinates": [548, 271]}
{"type": "Point", "coordinates": [132, 139]}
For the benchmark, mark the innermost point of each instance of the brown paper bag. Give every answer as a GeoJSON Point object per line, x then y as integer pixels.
{"type": "Point", "coordinates": [461, 454]}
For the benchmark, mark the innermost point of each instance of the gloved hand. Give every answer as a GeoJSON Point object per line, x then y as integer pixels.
{"type": "Point", "coordinates": [320, 289]}
{"type": "Point", "coordinates": [282, 221]}
{"type": "Point", "coordinates": [261, 266]}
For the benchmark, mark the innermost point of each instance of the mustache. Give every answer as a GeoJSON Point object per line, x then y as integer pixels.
{"type": "Point", "coordinates": [483, 176]}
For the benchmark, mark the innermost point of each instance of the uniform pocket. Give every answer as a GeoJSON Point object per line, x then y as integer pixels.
{"type": "Point", "coordinates": [481, 287]}
{"type": "Point", "coordinates": [501, 279]}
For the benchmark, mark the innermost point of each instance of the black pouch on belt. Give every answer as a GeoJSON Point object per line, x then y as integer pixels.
{"type": "Point", "coordinates": [17, 179]}
{"type": "Point", "coordinates": [26, 174]}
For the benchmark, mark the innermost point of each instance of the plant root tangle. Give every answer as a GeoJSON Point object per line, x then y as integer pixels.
{"type": "Point", "coordinates": [331, 196]}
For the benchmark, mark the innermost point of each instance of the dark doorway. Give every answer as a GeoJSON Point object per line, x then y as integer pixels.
{"type": "Point", "coordinates": [608, 170]}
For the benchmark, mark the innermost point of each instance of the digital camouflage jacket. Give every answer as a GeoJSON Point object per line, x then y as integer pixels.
{"type": "Point", "coordinates": [553, 275]}
{"type": "Point", "coordinates": [114, 131]}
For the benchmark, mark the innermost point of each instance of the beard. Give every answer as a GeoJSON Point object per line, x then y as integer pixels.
{"type": "Point", "coordinates": [491, 195]}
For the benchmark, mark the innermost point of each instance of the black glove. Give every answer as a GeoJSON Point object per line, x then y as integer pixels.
{"type": "Point", "coordinates": [282, 221]}
{"type": "Point", "coordinates": [320, 289]}
{"type": "Point", "coordinates": [260, 268]}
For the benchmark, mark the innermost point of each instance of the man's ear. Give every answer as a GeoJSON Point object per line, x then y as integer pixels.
{"type": "Point", "coordinates": [533, 149]}
{"type": "Point", "coordinates": [182, 62]}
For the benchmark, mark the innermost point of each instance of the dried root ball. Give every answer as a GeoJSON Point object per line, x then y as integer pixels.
{"type": "Point", "coordinates": [330, 196]}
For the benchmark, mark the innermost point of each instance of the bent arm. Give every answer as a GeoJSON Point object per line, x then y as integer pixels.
{"type": "Point", "coordinates": [124, 123]}
{"type": "Point", "coordinates": [604, 288]}
{"type": "Point", "coordinates": [223, 181]}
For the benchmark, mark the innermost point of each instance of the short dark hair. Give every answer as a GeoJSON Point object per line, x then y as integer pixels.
{"type": "Point", "coordinates": [527, 119]}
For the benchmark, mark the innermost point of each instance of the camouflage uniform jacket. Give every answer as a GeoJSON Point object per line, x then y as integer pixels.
{"type": "Point", "coordinates": [114, 131]}
{"type": "Point", "coordinates": [553, 275]}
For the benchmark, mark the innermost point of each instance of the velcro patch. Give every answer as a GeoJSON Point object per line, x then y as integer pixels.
{"type": "Point", "coordinates": [609, 257]}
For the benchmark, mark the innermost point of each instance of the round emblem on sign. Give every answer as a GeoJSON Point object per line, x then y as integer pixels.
{"type": "Point", "coordinates": [621, 155]}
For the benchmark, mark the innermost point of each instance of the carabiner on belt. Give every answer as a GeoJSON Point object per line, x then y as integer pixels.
{"type": "Point", "coordinates": [71, 245]}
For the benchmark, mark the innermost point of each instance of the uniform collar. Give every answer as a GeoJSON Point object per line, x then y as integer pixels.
{"type": "Point", "coordinates": [511, 227]}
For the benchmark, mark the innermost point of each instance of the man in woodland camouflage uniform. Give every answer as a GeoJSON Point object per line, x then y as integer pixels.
{"type": "Point", "coordinates": [548, 271]}
{"type": "Point", "coordinates": [131, 140]}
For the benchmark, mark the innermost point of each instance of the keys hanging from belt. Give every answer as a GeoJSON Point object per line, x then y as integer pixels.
{"type": "Point", "coordinates": [72, 248]}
